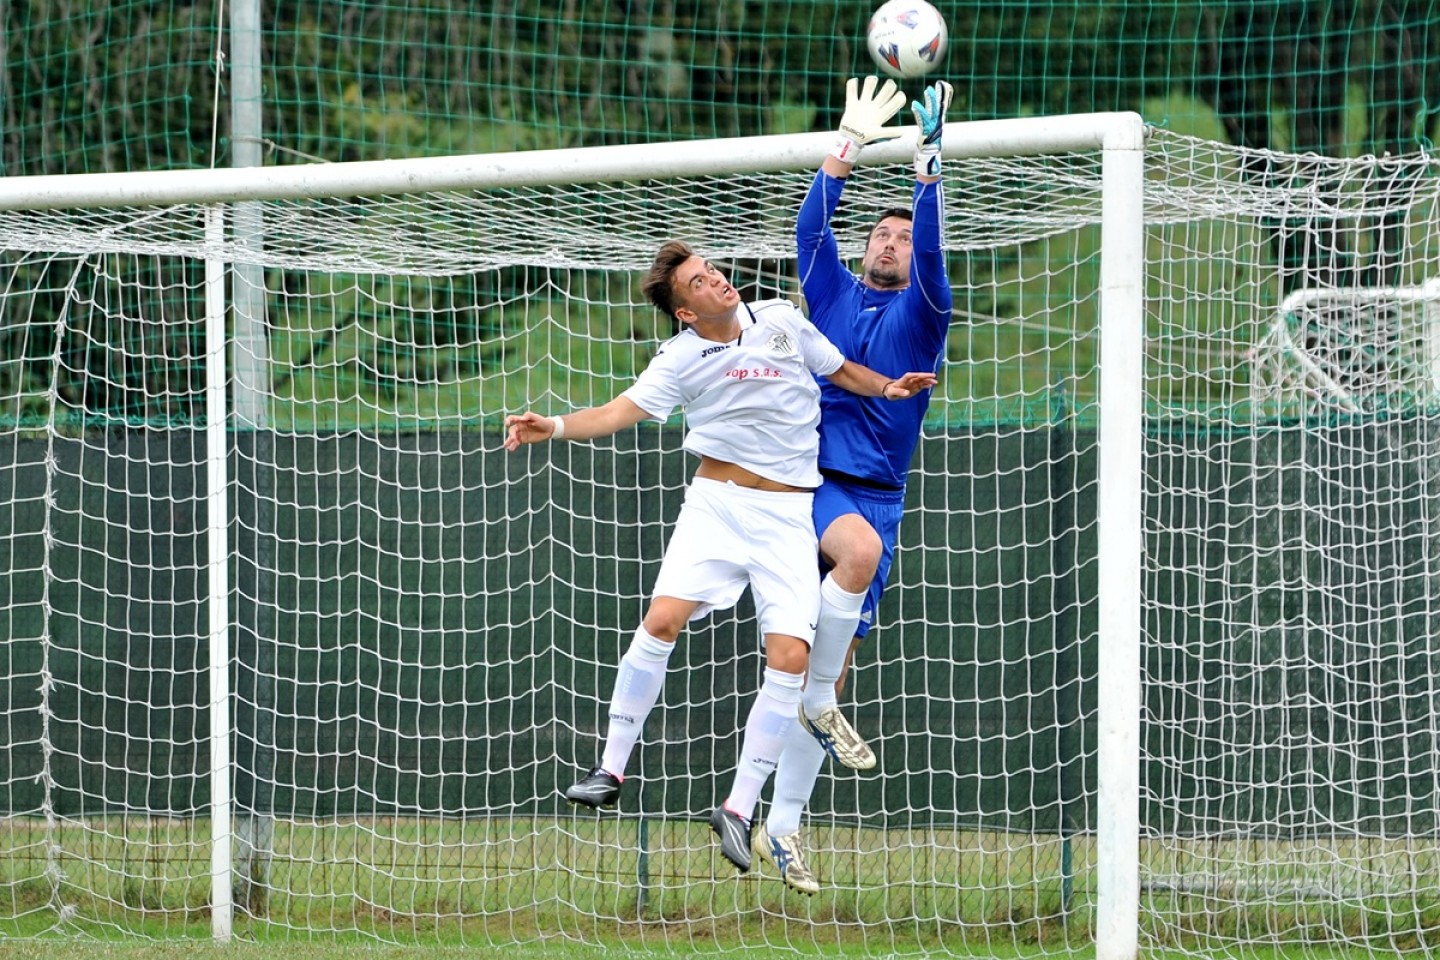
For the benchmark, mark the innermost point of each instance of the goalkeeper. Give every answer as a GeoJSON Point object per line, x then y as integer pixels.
{"type": "Point", "coordinates": [745, 377]}
{"type": "Point", "coordinates": [893, 316]}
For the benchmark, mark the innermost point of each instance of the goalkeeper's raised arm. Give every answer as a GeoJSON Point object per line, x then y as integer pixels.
{"type": "Point", "coordinates": [824, 277]}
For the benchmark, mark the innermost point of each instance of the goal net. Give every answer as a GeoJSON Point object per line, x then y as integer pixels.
{"type": "Point", "coordinates": [421, 630]}
{"type": "Point", "coordinates": [1357, 349]}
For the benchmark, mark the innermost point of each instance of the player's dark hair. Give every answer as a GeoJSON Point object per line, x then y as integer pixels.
{"type": "Point", "coordinates": [659, 286]}
{"type": "Point", "coordinates": [902, 212]}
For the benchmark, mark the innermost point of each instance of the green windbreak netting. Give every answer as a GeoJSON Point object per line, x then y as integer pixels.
{"type": "Point", "coordinates": [92, 85]}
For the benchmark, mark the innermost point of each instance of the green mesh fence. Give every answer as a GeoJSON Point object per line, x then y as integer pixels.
{"type": "Point", "coordinates": [90, 85]}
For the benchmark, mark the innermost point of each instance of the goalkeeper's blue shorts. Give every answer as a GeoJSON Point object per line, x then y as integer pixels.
{"type": "Point", "coordinates": [879, 508]}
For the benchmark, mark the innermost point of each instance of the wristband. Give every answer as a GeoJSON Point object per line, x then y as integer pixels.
{"type": "Point", "coordinates": [885, 388]}
{"type": "Point", "coordinates": [927, 160]}
{"type": "Point", "coordinates": [846, 149]}
{"type": "Point", "coordinates": [559, 423]}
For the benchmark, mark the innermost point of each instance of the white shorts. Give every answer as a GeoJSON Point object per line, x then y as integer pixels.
{"type": "Point", "coordinates": [728, 536]}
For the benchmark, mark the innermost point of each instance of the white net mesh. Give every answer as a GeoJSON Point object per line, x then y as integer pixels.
{"type": "Point", "coordinates": [426, 629]}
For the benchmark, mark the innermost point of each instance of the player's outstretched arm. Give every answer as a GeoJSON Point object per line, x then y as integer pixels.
{"type": "Point", "coordinates": [929, 114]}
{"type": "Point", "coordinates": [859, 379]}
{"type": "Point", "coordinates": [867, 110]}
{"type": "Point", "coordinates": [587, 424]}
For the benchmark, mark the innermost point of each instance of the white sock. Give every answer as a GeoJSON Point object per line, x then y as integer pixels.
{"type": "Point", "coordinates": [637, 687]}
{"type": "Point", "coordinates": [771, 718]}
{"type": "Point", "coordinates": [795, 778]}
{"type": "Point", "coordinates": [834, 632]}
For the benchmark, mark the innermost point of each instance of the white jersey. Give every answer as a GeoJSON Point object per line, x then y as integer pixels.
{"type": "Point", "coordinates": [753, 401]}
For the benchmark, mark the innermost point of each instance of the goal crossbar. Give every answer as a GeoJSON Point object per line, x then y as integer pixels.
{"type": "Point", "coordinates": [983, 138]}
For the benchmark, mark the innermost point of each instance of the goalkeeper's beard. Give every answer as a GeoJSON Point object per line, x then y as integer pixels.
{"type": "Point", "coordinates": [886, 278]}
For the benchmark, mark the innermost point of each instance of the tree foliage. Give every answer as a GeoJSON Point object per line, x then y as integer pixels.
{"type": "Point", "coordinates": [95, 85]}
{"type": "Point", "coordinates": [104, 85]}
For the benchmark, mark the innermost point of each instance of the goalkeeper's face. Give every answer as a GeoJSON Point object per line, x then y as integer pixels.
{"type": "Point", "coordinates": [887, 256]}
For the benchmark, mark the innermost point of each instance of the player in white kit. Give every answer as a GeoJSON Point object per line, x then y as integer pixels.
{"type": "Point", "coordinates": [745, 377]}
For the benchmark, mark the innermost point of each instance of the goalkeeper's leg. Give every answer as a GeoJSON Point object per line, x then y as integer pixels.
{"type": "Point", "coordinates": [804, 754]}
{"type": "Point", "coordinates": [821, 717]}
{"type": "Point", "coordinates": [851, 545]}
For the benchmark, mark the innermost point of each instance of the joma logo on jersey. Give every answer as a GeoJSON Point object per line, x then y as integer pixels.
{"type": "Point", "coordinates": [709, 350]}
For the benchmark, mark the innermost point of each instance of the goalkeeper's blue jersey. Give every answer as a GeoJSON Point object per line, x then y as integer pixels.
{"type": "Point", "coordinates": [890, 331]}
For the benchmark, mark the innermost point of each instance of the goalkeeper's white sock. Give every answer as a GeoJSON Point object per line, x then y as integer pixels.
{"type": "Point", "coordinates": [637, 687]}
{"type": "Point", "coordinates": [795, 778]}
{"type": "Point", "coordinates": [773, 715]}
{"type": "Point", "coordinates": [834, 632]}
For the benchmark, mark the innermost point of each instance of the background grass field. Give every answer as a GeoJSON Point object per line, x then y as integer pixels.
{"type": "Point", "coordinates": [540, 887]}
{"type": "Point", "coordinates": [551, 950]}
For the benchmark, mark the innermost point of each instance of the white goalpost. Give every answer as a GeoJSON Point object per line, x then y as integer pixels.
{"type": "Point", "coordinates": [298, 650]}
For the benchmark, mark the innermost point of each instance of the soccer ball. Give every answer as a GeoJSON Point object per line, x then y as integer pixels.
{"type": "Point", "coordinates": [906, 38]}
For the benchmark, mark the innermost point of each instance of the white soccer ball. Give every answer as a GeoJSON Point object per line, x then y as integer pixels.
{"type": "Point", "coordinates": [906, 38]}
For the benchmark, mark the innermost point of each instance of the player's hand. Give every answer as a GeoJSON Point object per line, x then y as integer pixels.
{"type": "Point", "coordinates": [930, 113]}
{"type": "Point", "coordinates": [527, 427]}
{"type": "Point", "coordinates": [930, 121]}
{"type": "Point", "coordinates": [867, 110]}
{"type": "Point", "coordinates": [907, 386]}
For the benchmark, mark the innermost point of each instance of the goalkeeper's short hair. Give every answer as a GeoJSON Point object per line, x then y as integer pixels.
{"type": "Point", "coordinates": [904, 213]}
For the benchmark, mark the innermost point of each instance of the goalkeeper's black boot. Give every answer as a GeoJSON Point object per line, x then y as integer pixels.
{"type": "Point", "coordinates": [734, 833]}
{"type": "Point", "coordinates": [596, 789]}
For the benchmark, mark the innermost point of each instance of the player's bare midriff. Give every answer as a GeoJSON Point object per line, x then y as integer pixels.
{"type": "Point", "coordinates": [712, 469]}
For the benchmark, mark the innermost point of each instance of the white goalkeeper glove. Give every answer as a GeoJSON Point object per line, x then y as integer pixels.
{"type": "Point", "coordinates": [930, 118]}
{"type": "Point", "coordinates": [866, 112]}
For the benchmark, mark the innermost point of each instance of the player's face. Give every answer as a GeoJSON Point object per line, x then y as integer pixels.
{"type": "Point", "coordinates": [887, 256]}
{"type": "Point", "coordinates": [702, 291]}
